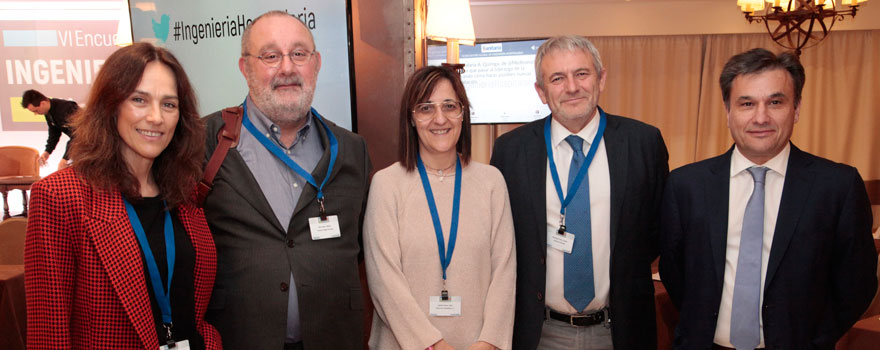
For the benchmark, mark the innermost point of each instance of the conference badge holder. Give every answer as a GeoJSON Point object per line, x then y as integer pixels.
{"type": "Point", "coordinates": [160, 292]}
{"type": "Point", "coordinates": [560, 239]}
{"type": "Point", "coordinates": [181, 345]}
{"type": "Point", "coordinates": [324, 226]}
{"type": "Point", "coordinates": [444, 305]}
{"type": "Point", "coordinates": [170, 343]}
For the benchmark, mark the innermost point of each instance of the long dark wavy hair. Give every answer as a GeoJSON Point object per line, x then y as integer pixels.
{"type": "Point", "coordinates": [97, 146]}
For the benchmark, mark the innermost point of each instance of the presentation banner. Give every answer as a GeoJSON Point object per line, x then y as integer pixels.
{"type": "Point", "coordinates": [500, 80]}
{"type": "Point", "coordinates": [58, 58]}
{"type": "Point", "coordinates": [205, 35]}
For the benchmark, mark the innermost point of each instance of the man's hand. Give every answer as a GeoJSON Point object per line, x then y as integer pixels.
{"type": "Point", "coordinates": [481, 345]}
{"type": "Point", "coordinates": [64, 163]}
{"type": "Point", "coordinates": [443, 345]}
{"type": "Point", "coordinates": [44, 158]}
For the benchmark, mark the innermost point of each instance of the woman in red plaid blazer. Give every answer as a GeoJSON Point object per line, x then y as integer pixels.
{"type": "Point", "coordinates": [138, 151]}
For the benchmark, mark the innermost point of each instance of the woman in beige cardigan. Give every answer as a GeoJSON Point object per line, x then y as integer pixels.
{"type": "Point", "coordinates": [438, 234]}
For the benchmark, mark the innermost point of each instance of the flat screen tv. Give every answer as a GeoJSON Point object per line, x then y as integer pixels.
{"type": "Point", "coordinates": [499, 79]}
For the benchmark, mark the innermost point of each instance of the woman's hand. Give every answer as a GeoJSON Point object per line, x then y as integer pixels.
{"type": "Point", "coordinates": [442, 345]}
{"type": "Point", "coordinates": [481, 345]}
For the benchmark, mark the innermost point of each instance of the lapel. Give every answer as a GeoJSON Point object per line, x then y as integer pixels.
{"type": "Point", "coordinates": [242, 181]}
{"type": "Point", "coordinates": [618, 160]}
{"type": "Point", "coordinates": [310, 193]}
{"type": "Point", "coordinates": [205, 267]}
{"type": "Point", "coordinates": [795, 191]}
{"type": "Point", "coordinates": [717, 191]}
{"type": "Point", "coordinates": [110, 230]}
{"type": "Point", "coordinates": [536, 174]}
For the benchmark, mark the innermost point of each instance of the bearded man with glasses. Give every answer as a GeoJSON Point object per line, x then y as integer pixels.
{"type": "Point", "coordinates": [286, 204]}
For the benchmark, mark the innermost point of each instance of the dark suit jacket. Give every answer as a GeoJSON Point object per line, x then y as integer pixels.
{"type": "Point", "coordinates": [821, 272]}
{"type": "Point", "coordinates": [255, 256]}
{"type": "Point", "coordinates": [637, 162]}
{"type": "Point", "coordinates": [84, 276]}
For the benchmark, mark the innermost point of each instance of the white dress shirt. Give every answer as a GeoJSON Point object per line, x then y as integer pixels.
{"type": "Point", "coordinates": [741, 186]}
{"type": "Point", "coordinates": [600, 215]}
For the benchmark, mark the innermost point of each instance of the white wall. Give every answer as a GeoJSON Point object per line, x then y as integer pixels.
{"type": "Point", "coordinates": [99, 19]}
{"type": "Point", "coordinates": [535, 18]}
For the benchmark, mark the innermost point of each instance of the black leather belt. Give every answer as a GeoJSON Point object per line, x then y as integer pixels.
{"type": "Point", "coordinates": [719, 347]}
{"type": "Point", "coordinates": [293, 346]}
{"type": "Point", "coordinates": [578, 320]}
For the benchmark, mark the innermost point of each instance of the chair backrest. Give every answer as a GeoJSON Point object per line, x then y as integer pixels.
{"type": "Point", "coordinates": [12, 232]}
{"type": "Point", "coordinates": [19, 161]}
{"type": "Point", "coordinates": [873, 187]}
{"type": "Point", "coordinates": [874, 309]}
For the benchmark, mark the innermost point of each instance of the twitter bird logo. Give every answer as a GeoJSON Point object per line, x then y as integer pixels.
{"type": "Point", "coordinates": [161, 28]}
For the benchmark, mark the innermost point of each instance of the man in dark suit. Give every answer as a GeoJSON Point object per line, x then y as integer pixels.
{"type": "Point", "coordinates": [57, 113]}
{"type": "Point", "coordinates": [286, 205]}
{"type": "Point", "coordinates": [766, 246]}
{"type": "Point", "coordinates": [583, 277]}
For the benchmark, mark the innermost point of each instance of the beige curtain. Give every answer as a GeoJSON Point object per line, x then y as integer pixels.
{"type": "Point", "coordinates": [672, 82]}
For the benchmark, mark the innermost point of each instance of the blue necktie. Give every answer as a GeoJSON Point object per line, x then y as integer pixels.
{"type": "Point", "coordinates": [579, 290]}
{"type": "Point", "coordinates": [746, 308]}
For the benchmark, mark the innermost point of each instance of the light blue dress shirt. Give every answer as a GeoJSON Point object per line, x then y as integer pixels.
{"type": "Point", "coordinates": [281, 186]}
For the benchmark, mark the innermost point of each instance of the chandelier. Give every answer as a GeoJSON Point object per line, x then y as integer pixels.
{"type": "Point", "coordinates": [798, 24]}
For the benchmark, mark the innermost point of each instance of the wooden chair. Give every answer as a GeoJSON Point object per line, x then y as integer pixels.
{"type": "Point", "coordinates": [873, 187]}
{"type": "Point", "coordinates": [19, 168]}
{"type": "Point", "coordinates": [12, 232]}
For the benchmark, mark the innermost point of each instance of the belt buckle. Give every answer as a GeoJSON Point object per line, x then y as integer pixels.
{"type": "Point", "coordinates": [573, 317]}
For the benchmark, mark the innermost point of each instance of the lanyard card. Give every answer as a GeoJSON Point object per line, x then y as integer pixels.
{"type": "Point", "coordinates": [563, 242]}
{"type": "Point", "coordinates": [323, 229]}
{"type": "Point", "coordinates": [181, 345]}
{"type": "Point", "coordinates": [439, 307]}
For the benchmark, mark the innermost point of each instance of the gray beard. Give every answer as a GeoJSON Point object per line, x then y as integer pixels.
{"type": "Point", "coordinates": [284, 114]}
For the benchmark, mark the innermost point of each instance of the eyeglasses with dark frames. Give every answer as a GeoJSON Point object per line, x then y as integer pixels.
{"type": "Point", "coordinates": [273, 58]}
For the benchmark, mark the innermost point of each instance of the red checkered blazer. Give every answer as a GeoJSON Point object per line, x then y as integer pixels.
{"type": "Point", "coordinates": [84, 278]}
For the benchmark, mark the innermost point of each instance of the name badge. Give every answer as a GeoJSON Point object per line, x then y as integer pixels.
{"type": "Point", "coordinates": [439, 307]}
{"type": "Point", "coordinates": [181, 345]}
{"type": "Point", "coordinates": [563, 242]}
{"type": "Point", "coordinates": [323, 229]}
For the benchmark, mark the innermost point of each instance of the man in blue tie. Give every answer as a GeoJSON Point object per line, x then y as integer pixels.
{"type": "Point", "coordinates": [585, 189]}
{"type": "Point", "coordinates": [766, 246]}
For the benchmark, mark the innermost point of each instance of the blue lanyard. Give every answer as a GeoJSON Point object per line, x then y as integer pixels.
{"type": "Point", "coordinates": [582, 171]}
{"type": "Point", "coordinates": [445, 255]}
{"type": "Point", "coordinates": [162, 296]}
{"type": "Point", "coordinates": [279, 153]}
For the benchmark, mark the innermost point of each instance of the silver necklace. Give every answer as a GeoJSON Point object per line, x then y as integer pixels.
{"type": "Point", "coordinates": [441, 173]}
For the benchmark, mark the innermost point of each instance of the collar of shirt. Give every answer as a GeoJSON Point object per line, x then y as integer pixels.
{"type": "Point", "coordinates": [779, 163]}
{"type": "Point", "coordinates": [558, 132]}
{"type": "Point", "coordinates": [273, 131]}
